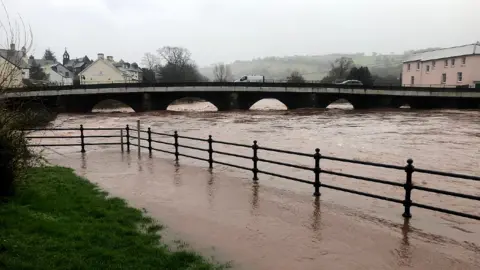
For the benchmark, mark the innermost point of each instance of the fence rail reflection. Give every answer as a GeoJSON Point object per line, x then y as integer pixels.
{"type": "Point", "coordinates": [127, 136]}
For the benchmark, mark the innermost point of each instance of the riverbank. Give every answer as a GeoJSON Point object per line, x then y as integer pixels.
{"type": "Point", "coordinates": [58, 220]}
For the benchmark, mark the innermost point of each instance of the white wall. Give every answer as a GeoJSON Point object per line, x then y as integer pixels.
{"type": "Point", "coordinates": [10, 75]}
{"type": "Point", "coordinates": [101, 72]}
{"type": "Point", "coordinates": [58, 77]}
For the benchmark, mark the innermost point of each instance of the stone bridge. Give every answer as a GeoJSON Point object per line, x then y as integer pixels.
{"type": "Point", "coordinates": [229, 96]}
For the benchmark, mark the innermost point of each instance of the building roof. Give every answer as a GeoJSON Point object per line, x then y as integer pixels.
{"type": "Point", "coordinates": [78, 62]}
{"type": "Point", "coordinates": [469, 49]}
{"type": "Point", "coordinates": [16, 58]}
{"type": "Point", "coordinates": [55, 67]}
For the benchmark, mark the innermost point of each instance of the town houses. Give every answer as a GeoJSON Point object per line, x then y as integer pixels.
{"type": "Point", "coordinates": [29, 70]}
{"type": "Point", "coordinates": [457, 66]}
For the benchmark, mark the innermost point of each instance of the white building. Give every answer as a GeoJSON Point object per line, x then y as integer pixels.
{"type": "Point", "coordinates": [103, 71]}
{"type": "Point", "coordinates": [58, 74]}
{"type": "Point", "coordinates": [17, 58]}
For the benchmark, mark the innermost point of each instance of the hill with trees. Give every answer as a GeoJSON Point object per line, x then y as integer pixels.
{"type": "Point", "coordinates": [386, 67]}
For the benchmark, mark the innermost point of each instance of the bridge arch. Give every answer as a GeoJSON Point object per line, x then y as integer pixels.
{"type": "Point", "coordinates": [268, 103]}
{"type": "Point", "coordinates": [401, 103]}
{"type": "Point", "coordinates": [340, 103]}
{"type": "Point", "coordinates": [191, 103]}
{"type": "Point", "coordinates": [111, 104]}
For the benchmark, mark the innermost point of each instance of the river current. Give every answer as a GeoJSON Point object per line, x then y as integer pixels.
{"type": "Point", "coordinates": [446, 140]}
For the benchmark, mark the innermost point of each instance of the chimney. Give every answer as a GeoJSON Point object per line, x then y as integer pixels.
{"type": "Point", "coordinates": [11, 52]}
{"type": "Point", "coordinates": [101, 56]}
{"type": "Point", "coordinates": [110, 58]}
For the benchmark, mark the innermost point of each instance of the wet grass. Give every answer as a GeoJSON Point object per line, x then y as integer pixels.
{"type": "Point", "coordinates": [58, 220]}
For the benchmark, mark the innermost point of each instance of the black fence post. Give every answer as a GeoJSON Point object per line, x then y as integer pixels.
{"type": "Point", "coordinates": [127, 128]}
{"type": "Point", "coordinates": [210, 151]}
{"type": "Point", "coordinates": [82, 139]}
{"type": "Point", "coordinates": [317, 170]}
{"type": "Point", "coordinates": [175, 136]}
{"type": "Point", "coordinates": [149, 131]}
{"type": "Point", "coordinates": [407, 203]}
{"type": "Point", "coordinates": [255, 161]}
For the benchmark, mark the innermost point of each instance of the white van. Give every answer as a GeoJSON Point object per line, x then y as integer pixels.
{"type": "Point", "coordinates": [251, 78]}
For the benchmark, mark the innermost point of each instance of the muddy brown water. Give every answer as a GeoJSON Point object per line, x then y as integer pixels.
{"type": "Point", "coordinates": [277, 224]}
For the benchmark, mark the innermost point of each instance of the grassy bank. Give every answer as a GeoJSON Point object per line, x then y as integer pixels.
{"type": "Point", "coordinates": [58, 220]}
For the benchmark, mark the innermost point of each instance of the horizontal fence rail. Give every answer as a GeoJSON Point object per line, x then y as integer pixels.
{"type": "Point", "coordinates": [84, 140]}
{"type": "Point", "coordinates": [128, 137]}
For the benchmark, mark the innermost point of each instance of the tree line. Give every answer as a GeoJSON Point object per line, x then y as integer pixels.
{"type": "Point", "coordinates": [345, 69]}
{"type": "Point", "coordinates": [171, 64]}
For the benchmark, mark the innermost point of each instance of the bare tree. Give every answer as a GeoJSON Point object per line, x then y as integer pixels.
{"type": "Point", "coordinates": [15, 155]}
{"type": "Point", "coordinates": [177, 56]}
{"type": "Point", "coordinates": [222, 73]}
{"type": "Point", "coordinates": [295, 77]}
{"type": "Point", "coordinates": [342, 66]}
{"type": "Point", "coordinates": [16, 41]}
{"type": "Point", "coordinates": [339, 70]}
{"type": "Point", "coordinates": [178, 66]}
{"type": "Point", "coordinates": [150, 61]}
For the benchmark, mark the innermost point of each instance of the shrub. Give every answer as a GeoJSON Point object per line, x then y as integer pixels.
{"type": "Point", "coordinates": [15, 155]}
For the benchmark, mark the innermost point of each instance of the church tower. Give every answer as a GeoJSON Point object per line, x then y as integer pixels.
{"type": "Point", "coordinates": [66, 57]}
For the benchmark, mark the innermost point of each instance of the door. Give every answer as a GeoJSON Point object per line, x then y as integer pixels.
{"type": "Point", "coordinates": [412, 80]}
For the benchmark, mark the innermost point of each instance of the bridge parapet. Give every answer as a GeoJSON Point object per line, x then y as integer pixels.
{"type": "Point", "coordinates": [428, 92]}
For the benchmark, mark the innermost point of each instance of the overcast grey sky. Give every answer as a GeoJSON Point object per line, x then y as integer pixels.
{"type": "Point", "coordinates": [227, 30]}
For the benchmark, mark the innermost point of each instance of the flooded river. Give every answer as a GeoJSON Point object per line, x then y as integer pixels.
{"type": "Point", "coordinates": [277, 224]}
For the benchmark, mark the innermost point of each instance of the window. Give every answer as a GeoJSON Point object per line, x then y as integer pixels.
{"type": "Point", "coordinates": [67, 74]}
{"type": "Point", "coordinates": [453, 62]}
{"type": "Point", "coordinates": [412, 80]}
{"type": "Point", "coordinates": [408, 67]}
{"type": "Point", "coordinates": [433, 64]}
{"type": "Point", "coordinates": [446, 63]}
{"type": "Point", "coordinates": [428, 69]}
{"type": "Point", "coordinates": [418, 65]}
{"type": "Point", "coordinates": [459, 77]}
{"type": "Point", "coordinates": [444, 78]}
{"type": "Point", "coordinates": [464, 60]}
{"type": "Point", "coordinates": [244, 78]}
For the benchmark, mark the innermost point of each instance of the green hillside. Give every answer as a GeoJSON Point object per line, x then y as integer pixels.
{"type": "Point", "coordinates": [313, 67]}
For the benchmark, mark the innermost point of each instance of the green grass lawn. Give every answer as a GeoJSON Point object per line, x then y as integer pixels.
{"type": "Point", "coordinates": [58, 220]}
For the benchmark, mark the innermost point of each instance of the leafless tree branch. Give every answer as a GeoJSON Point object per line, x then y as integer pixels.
{"type": "Point", "coordinates": [222, 73]}
{"type": "Point", "coordinates": [16, 40]}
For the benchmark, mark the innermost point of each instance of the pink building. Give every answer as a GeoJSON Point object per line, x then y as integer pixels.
{"type": "Point", "coordinates": [449, 67]}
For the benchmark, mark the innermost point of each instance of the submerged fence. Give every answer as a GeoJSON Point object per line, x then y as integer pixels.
{"type": "Point", "coordinates": [128, 137]}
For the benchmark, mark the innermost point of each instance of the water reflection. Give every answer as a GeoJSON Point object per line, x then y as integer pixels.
{"type": "Point", "coordinates": [316, 221]}
{"type": "Point", "coordinates": [211, 188]}
{"type": "Point", "coordinates": [405, 252]}
{"type": "Point", "coordinates": [254, 199]}
{"type": "Point", "coordinates": [177, 176]}
{"type": "Point", "coordinates": [83, 159]}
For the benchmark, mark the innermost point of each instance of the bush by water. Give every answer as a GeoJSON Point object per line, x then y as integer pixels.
{"type": "Point", "coordinates": [15, 155]}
